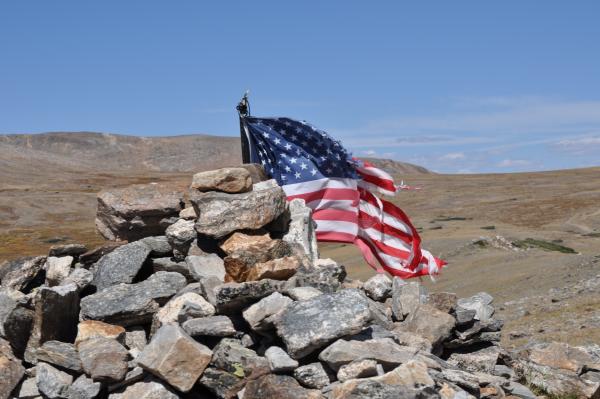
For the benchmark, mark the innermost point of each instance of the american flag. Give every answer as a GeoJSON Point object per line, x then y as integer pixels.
{"type": "Point", "coordinates": [309, 164]}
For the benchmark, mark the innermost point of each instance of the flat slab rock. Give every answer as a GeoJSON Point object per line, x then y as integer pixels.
{"type": "Point", "coordinates": [104, 359]}
{"type": "Point", "coordinates": [132, 304]}
{"type": "Point", "coordinates": [384, 350]}
{"type": "Point", "coordinates": [228, 180]}
{"type": "Point", "coordinates": [311, 324]}
{"type": "Point", "coordinates": [233, 297]}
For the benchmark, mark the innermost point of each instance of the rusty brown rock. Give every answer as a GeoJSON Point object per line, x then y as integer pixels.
{"type": "Point", "coordinates": [276, 269]}
{"type": "Point", "coordinates": [89, 329]}
{"type": "Point", "coordinates": [227, 180]}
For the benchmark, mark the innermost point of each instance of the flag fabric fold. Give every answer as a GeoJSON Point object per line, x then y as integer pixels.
{"type": "Point", "coordinates": [309, 164]}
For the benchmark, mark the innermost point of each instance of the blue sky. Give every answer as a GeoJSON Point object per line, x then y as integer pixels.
{"type": "Point", "coordinates": [463, 86]}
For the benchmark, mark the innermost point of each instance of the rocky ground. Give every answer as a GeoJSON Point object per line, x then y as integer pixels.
{"type": "Point", "coordinates": [237, 303]}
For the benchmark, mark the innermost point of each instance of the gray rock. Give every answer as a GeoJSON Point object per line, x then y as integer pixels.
{"type": "Point", "coordinates": [258, 316]}
{"type": "Point", "coordinates": [301, 229]}
{"type": "Point", "coordinates": [15, 320]}
{"type": "Point", "coordinates": [406, 297]}
{"type": "Point", "coordinates": [133, 376]}
{"type": "Point", "coordinates": [172, 311]}
{"type": "Point", "coordinates": [520, 390]}
{"type": "Point", "coordinates": [464, 316]}
{"type": "Point", "coordinates": [312, 375]}
{"type": "Point", "coordinates": [279, 360]}
{"type": "Point", "coordinates": [278, 386]}
{"type": "Point", "coordinates": [381, 315]}
{"type": "Point", "coordinates": [378, 287]}
{"type": "Point", "coordinates": [188, 213]}
{"type": "Point", "coordinates": [55, 317]}
{"type": "Point", "coordinates": [22, 274]}
{"type": "Point", "coordinates": [221, 214]}
{"type": "Point", "coordinates": [327, 276]}
{"type": "Point", "coordinates": [357, 369]}
{"type": "Point", "coordinates": [369, 388]}
{"type": "Point", "coordinates": [480, 303]}
{"type": "Point", "coordinates": [480, 360]}
{"type": "Point", "coordinates": [302, 293]}
{"type": "Point", "coordinates": [173, 356]}
{"type": "Point", "coordinates": [308, 325]}
{"type": "Point", "coordinates": [60, 354]}
{"type": "Point", "coordinates": [67, 250]}
{"type": "Point", "coordinates": [57, 269]}
{"type": "Point", "coordinates": [159, 246]}
{"type": "Point", "coordinates": [103, 359]}
{"type": "Point", "coordinates": [202, 267]}
{"type": "Point", "coordinates": [221, 383]}
{"type": "Point", "coordinates": [121, 265]}
{"type": "Point", "coordinates": [52, 382]}
{"type": "Point", "coordinates": [231, 356]}
{"type": "Point", "coordinates": [94, 255]}
{"type": "Point", "coordinates": [383, 350]}
{"type": "Point", "coordinates": [180, 236]}
{"type": "Point", "coordinates": [228, 180]}
{"type": "Point", "coordinates": [232, 297]}
{"type": "Point", "coordinates": [11, 371]}
{"type": "Point", "coordinates": [80, 277]}
{"type": "Point", "coordinates": [430, 323]}
{"type": "Point", "coordinates": [136, 211]}
{"type": "Point", "coordinates": [28, 389]}
{"type": "Point", "coordinates": [84, 388]}
{"type": "Point", "coordinates": [135, 338]}
{"type": "Point", "coordinates": [170, 265]}
{"type": "Point", "coordinates": [215, 326]}
{"type": "Point", "coordinates": [150, 389]}
{"type": "Point", "coordinates": [132, 304]}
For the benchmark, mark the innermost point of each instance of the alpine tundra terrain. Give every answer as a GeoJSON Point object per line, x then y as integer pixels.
{"type": "Point", "coordinates": [532, 240]}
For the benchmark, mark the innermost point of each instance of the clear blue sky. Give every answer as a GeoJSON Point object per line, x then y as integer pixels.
{"type": "Point", "coordinates": [456, 86]}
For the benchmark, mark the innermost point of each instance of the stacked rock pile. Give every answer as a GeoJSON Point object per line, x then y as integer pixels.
{"type": "Point", "coordinates": [228, 298]}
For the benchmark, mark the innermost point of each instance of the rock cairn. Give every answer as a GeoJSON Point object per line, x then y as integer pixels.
{"type": "Point", "coordinates": [228, 298]}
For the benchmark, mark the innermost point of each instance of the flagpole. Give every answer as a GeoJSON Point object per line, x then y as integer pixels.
{"type": "Point", "coordinates": [243, 109]}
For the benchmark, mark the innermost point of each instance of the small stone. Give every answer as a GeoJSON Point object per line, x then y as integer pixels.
{"type": "Point", "coordinates": [232, 297]}
{"type": "Point", "coordinates": [57, 269]}
{"type": "Point", "coordinates": [326, 276]}
{"type": "Point", "coordinates": [171, 311]}
{"type": "Point", "coordinates": [406, 297]}
{"type": "Point", "coordinates": [147, 390]}
{"type": "Point", "coordinates": [103, 359]}
{"type": "Point", "coordinates": [80, 277]}
{"type": "Point", "coordinates": [231, 356]}
{"type": "Point", "coordinates": [175, 357]}
{"type": "Point", "coordinates": [22, 274]}
{"type": "Point", "coordinates": [308, 325]}
{"type": "Point", "coordinates": [159, 246]}
{"type": "Point", "coordinates": [464, 316]}
{"type": "Point", "coordinates": [52, 382]}
{"type": "Point", "coordinates": [228, 180]}
{"type": "Point", "coordinates": [28, 389]}
{"type": "Point", "coordinates": [67, 250]}
{"type": "Point", "coordinates": [279, 360]}
{"type": "Point", "coordinates": [480, 303]}
{"type": "Point", "coordinates": [89, 329]}
{"type": "Point", "coordinates": [378, 287]}
{"type": "Point", "coordinates": [278, 386]}
{"type": "Point", "coordinates": [60, 354]}
{"type": "Point", "coordinates": [121, 265]}
{"type": "Point", "coordinates": [483, 360]}
{"type": "Point", "coordinates": [135, 338]}
{"type": "Point", "coordinates": [215, 326]}
{"type": "Point", "coordinates": [357, 369]}
{"type": "Point", "coordinates": [202, 267]}
{"type": "Point", "coordinates": [258, 314]}
{"type": "Point", "coordinates": [170, 265]}
{"type": "Point", "coordinates": [444, 301]}
{"type": "Point", "coordinates": [11, 370]}
{"type": "Point", "coordinates": [312, 375]}
{"type": "Point", "coordinates": [276, 269]}
{"type": "Point", "coordinates": [84, 388]}
{"type": "Point", "coordinates": [180, 236]}
{"type": "Point", "coordinates": [188, 213]}
{"type": "Point", "coordinates": [221, 383]}
{"type": "Point", "coordinates": [384, 350]}
{"type": "Point", "coordinates": [303, 293]}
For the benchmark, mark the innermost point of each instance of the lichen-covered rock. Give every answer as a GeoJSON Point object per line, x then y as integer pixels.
{"type": "Point", "coordinates": [206, 266]}
{"type": "Point", "coordinates": [301, 229]}
{"type": "Point", "coordinates": [383, 350]}
{"type": "Point", "coordinates": [308, 325]}
{"type": "Point", "coordinates": [278, 386]}
{"type": "Point", "coordinates": [132, 304]}
{"type": "Point", "coordinates": [378, 287]}
{"type": "Point", "coordinates": [302, 293]}
{"type": "Point", "coordinates": [279, 361]}
{"type": "Point", "coordinates": [312, 375]}
{"type": "Point", "coordinates": [483, 360]}
{"type": "Point", "coordinates": [103, 359]}
{"type": "Point", "coordinates": [61, 354]}
{"type": "Point", "coordinates": [228, 180]}
{"type": "Point", "coordinates": [120, 265]}
{"type": "Point", "coordinates": [175, 357]}
{"type": "Point", "coordinates": [214, 326]}
{"type": "Point", "coordinates": [136, 211]}
{"type": "Point", "coordinates": [258, 316]}
{"type": "Point", "coordinates": [11, 370]}
{"type": "Point", "coordinates": [52, 382]}
{"type": "Point", "coordinates": [220, 214]}
{"type": "Point", "coordinates": [222, 384]}
{"type": "Point", "coordinates": [57, 269]}
{"type": "Point", "coordinates": [80, 277]}
{"type": "Point", "coordinates": [232, 297]}
{"type": "Point", "coordinates": [326, 276]}
{"type": "Point", "coordinates": [231, 356]}
{"type": "Point", "coordinates": [22, 274]}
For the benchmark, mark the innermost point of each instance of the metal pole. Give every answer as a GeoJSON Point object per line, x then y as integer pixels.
{"type": "Point", "coordinates": [243, 109]}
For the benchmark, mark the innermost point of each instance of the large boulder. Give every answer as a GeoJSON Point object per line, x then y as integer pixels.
{"type": "Point", "coordinates": [220, 214]}
{"type": "Point", "coordinates": [228, 180]}
{"type": "Point", "coordinates": [137, 211]}
{"type": "Point", "coordinates": [121, 265]}
{"type": "Point", "coordinates": [308, 325]}
{"type": "Point", "coordinates": [132, 304]}
{"type": "Point", "coordinates": [175, 357]}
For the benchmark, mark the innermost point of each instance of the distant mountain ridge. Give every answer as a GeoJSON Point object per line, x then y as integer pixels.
{"type": "Point", "coordinates": [81, 151]}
